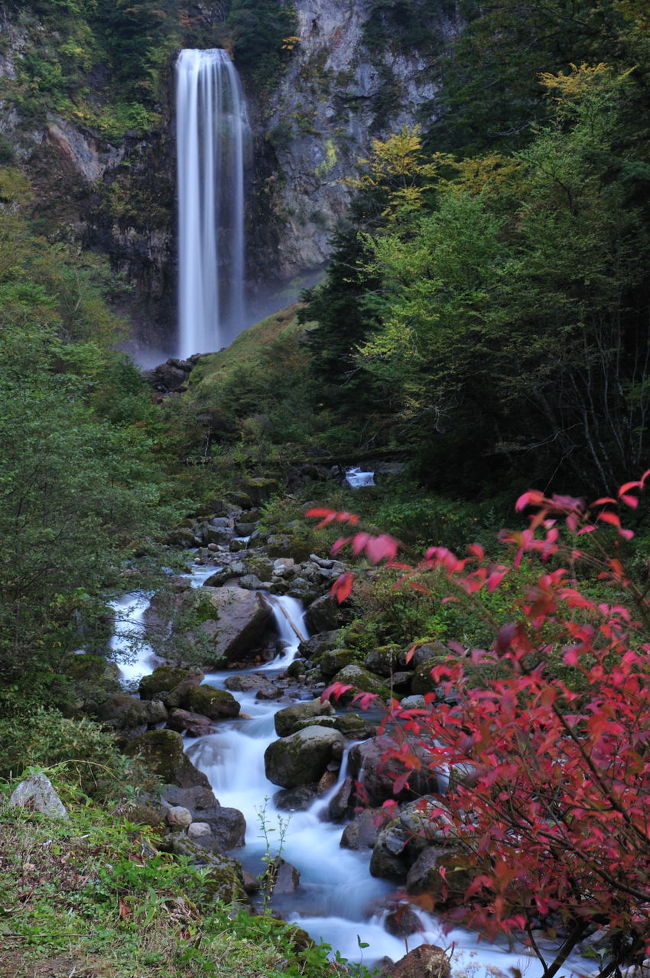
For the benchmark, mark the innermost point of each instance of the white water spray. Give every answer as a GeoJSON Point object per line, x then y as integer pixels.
{"type": "Point", "coordinates": [212, 134]}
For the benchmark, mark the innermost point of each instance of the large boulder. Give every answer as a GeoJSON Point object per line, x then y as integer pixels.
{"type": "Point", "coordinates": [322, 615]}
{"type": "Point", "coordinates": [287, 720]}
{"type": "Point", "coordinates": [332, 661]}
{"type": "Point", "coordinates": [362, 680]}
{"type": "Point", "coordinates": [166, 678]}
{"type": "Point", "coordinates": [210, 702]}
{"type": "Point", "coordinates": [320, 643]}
{"type": "Point", "coordinates": [425, 875]}
{"type": "Point", "coordinates": [362, 832]}
{"type": "Point", "coordinates": [162, 751]}
{"type": "Point", "coordinates": [127, 713]}
{"type": "Point", "coordinates": [373, 767]}
{"type": "Point", "coordinates": [241, 623]}
{"type": "Point", "coordinates": [302, 758]}
{"type": "Point", "coordinates": [191, 724]}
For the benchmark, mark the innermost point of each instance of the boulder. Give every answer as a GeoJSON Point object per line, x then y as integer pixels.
{"type": "Point", "coordinates": [295, 799]}
{"type": "Point", "coordinates": [36, 793]}
{"type": "Point", "coordinates": [227, 828]}
{"type": "Point", "coordinates": [322, 615]}
{"type": "Point", "coordinates": [370, 765]}
{"type": "Point", "coordinates": [384, 660]}
{"type": "Point", "coordinates": [222, 880]}
{"type": "Point", "coordinates": [333, 660]}
{"type": "Point", "coordinates": [192, 724]}
{"type": "Point", "coordinates": [197, 830]}
{"type": "Point", "coordinates": [402, 921]}
{"type": "Point", "coordinates": [424, 875]}
{"type": "Point", "coordinates": [166, 678]}
{"type": "Point", "coordinates": [124, 712]}
{"type": "Point", "coordinates": [320, 643]}
{"type": "Point", "coordinates": [349, 724]}
{"type": "Point", "coordinates": [242, 623]}
{"type": "Point", "coordinates": [198, 799]}
{"type": "Point", "coordinates": [362, 680]}
{"type": "Point", "coordinates": [284, 877]}
{"type": "Point", "coordinates": [302, 758]}
{"type": "Point", "coordinates": [213, 703]}
{"type": "Point", "coordinates": [362, 832]}
{"type": "Point", "coordinates": [162, 751]}
{"type": "Point", "coordinates": [287, 720]}
{"type": "Point", "coordinates": [425, 961]}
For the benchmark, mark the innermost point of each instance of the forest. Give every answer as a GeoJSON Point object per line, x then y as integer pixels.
{"type": "Point", "coordinates": [452, 658]}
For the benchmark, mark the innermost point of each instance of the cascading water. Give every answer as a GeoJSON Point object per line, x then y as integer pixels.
{"type": "Point", "coordinates": [338, 901]}
{"type": "Point", "coordinates": [212, 134]}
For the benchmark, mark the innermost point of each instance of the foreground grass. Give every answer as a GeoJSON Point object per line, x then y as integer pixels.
{"type": "Point", "coordinates": [94, 898]}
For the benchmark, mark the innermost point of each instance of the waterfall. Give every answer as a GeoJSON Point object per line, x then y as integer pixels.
{"type": "Point", "coordinates": [212, 136]}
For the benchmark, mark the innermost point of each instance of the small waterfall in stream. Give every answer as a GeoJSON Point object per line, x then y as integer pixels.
{"type": "Point", "coordinates": [338, 901]}
{"type": "Point", "coordinates": [212, 135]}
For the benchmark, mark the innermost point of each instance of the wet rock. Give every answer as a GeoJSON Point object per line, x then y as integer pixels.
{"type": "Point", "coordinates": [362, 680]}
{"type": "Point", "coordinates": [295, 799]}
{"type": "Point", "coordinates": [425, 961]}
{"type": "Point", "coordinates": [242, 623]}
{"type": "Point", "coordinates": [327, 782]}
{"type": "Point", "coordinates": [333, 660]}
{"type": "Point", "coordinates": [320, 643]}
{"type": "Point", "coordinates": [127, 713]}
{"type": "Point", "coordinates": [36, 793]}
{"type": "Point", "coordinates": [297, 668]}
{"type": "Point", "coordinates": [166, 678]}
{"type": "Point", "coordinates": [403, 921]}
{"type": "Point", "coordinates": [227, 828]}
{"type": "Point", "coordinates": [286, 878]}
{"type": "Point", "coordinates": [424, 875]}
{"type": "Point", "coordinates": [247, 681]}
{"type": "Point", "coordinates": [269, 692]}
{"type": "Point", "coordinates": [370, 765]}
{"type": "Point", "coordinates": [322, 615]}
{"type": "Point", "coordinates": [386, 865]}
{"type": "Point", "coordinates": [162, 751]}
{"type": "Point", "coordinates": [414, 702]}
{"type": "Point", "coordinates": [192, 724]}
{"type": "Point", "coordinates": [362, 832]}
{"type": "Point", "coordinates": [198, 799]}
{"type": "Point", "coordinates": [349, 724]}
{"type": "Point", "coordinates": [213, 703]}
{"type": "Point", "coordinates": [302, 757]}
{"type": "Point", "coordinates": [287, 719]}
{"type": "Point", "coordinates": [341, 804]}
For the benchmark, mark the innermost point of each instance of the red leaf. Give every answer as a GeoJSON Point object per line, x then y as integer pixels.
{"type": "Point", "coordinates": [630, 501]}
{"type": "Point", "coordinates": [607, 517]}
{"type": "Point", "coordinates": [342, 586]}
{"type": "Point", "coordinates": [531, 498]}
{"type": "Point", "coordinates": [335, 691]}
{"type": "Point", "coordinates": [381, 547]}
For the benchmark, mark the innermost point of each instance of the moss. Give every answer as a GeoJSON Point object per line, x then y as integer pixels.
{"type": "Point", "coordinates": [211, 702]}
{"type": "Point", "coordinates": [164, 679]}
{"type": "Point", "coordinates": [162, 752]}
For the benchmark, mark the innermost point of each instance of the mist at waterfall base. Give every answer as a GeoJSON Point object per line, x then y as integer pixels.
{"type": "Point", "coordinates": [338, 901]}
{"type": "Point", "coordinates": [212, 138]}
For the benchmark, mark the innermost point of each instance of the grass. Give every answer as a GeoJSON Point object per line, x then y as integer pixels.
{"type": "Point", "coordinates": [93, 897]}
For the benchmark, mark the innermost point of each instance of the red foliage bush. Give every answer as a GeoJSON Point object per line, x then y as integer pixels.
{"type": "Point", "coordinates": [554, 825]}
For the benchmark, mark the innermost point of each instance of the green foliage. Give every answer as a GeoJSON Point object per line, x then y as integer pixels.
{"type": "Point", "coordinates": [260, 30]}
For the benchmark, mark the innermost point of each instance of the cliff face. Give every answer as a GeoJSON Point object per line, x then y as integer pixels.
{"type": "Point", "coordinates": [114, 191]}
{"type": "Point", "coordinates": [336, 96]}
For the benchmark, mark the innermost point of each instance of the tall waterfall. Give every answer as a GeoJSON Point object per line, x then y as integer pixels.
{"type": "Point", "coordinates": [212, 133]}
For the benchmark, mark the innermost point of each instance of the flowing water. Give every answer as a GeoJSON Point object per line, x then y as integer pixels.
{"type": "Point", "coordinates": [338, 901]}
{"type": "Point", "coordinates": [212, 134]}
{"type": "Point", "coordinates": [356, 478]}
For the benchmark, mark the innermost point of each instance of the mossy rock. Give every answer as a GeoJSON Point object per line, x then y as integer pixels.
{"type": "Point", "coordinates": [162, 752]}
{"type": "Point", "coordinates": [331, 661]}
{"type": "Point", "coordinates": [298, 938]}
{"type": "Point", "coordinates": [362, 680]}
{"type": "Point", "coordinates": [239, 498]}
{"type": "Point", "coordinates": [358, 635]}
{"type": "Point", "coordinates": [287, 719]}
{"type": "Point", "coordinates": [260, 490]}
{"type": "Point", "coordinates": [349, 724]}
{"type": "Point", "coordinates": [166, 678]}
{"type": "Point", "coordinates": [86, 667]}
{"type": "Point", "coordinates": [384, 660]}
{"type": "Point", "coordinates": [210, 702]}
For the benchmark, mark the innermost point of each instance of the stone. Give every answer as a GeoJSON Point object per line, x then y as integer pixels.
{"type": "Point", "coordinates": [425, 961]}
{"type": "Point", "coordinates": [295, 799]}
{"type": "Point", "coordinates": [243, 621]}
{"type": "Point", "coordinates": [36, 793]}
{"type": "Point", "coordinates": [384, 660]}
{"type": "Point", "coordinates": [192, 724]}
{"type": "Point", "coordinates": [320, 643]}
{"type": "Point", "coordinates": [287, 719]}
{"type": "Point", "coordinates": [362, 680]}
{"type": "Point", "coordinates": [213, 703]}
{"type": "Point", "coordinates": [333, 660]}
{"type": "Point", "coordinates": [166, 678]}
{"type": "Point", "coordinates": [322, 615]}
{"type": "Point", "coordinates": [302, 757]}
{"type": "Point", "coordinates": [369, 764]}
{"type": "Point", "coordinates": [247, 682]}
{"type": "Point", "coordinates": [286, 878]}
{"type": "Point", "coordinates": [222, 879]}
{"type": "Point", "coordinates": [403, 921]}
{"type": "Point", "coordinates": [124, 712]}
{"type": "Point", "coordinates": [197, 830]}
{"type": "Point", "coordinates": [362, 832]}
{"type": "Point", "coordinates": [198, 799]}
{"type": "Point", "coordinates": [162, 751]}
{"type": "Point", "coordinates": [227, 828]}
{"type": "Point", "coordinates": [179, 817]}
{"type": "Point", "coordinates": [424, 875]}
